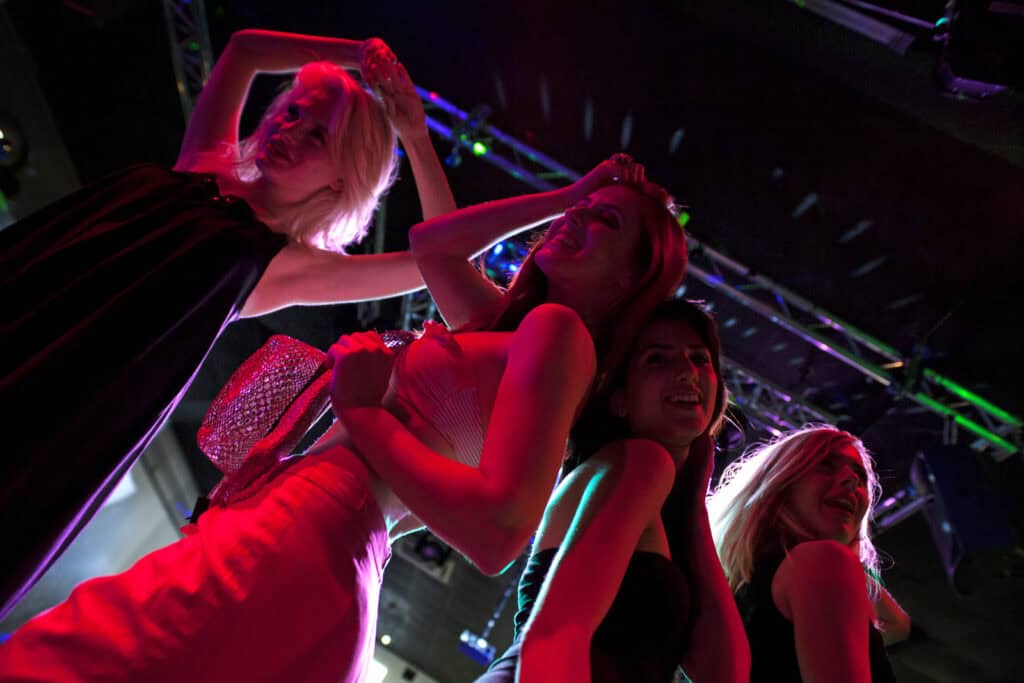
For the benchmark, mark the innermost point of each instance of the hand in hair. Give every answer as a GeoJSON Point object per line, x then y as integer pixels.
{"type": "Point", "coordinates": [374, 54]}
{"type": "Point", "coordinates": [620, 168]}
{"type": "Point", "coordinates": [402, 103]}
{"type": "Point", "coordinates": [362, 367]}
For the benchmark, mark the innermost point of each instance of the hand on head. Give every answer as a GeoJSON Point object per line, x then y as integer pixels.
{"type": "Point", "coordinates": [361, 366]}
{"type": "Point", "coordinates": [374, 55]}
{"type": "Point", "coordinates": [619, 169]}
{"type": "Point", "coordinates": [389, 79]}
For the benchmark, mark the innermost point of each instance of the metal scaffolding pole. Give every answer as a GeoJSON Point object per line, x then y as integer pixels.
{"type": "Point", "coordinates": [191, 53]}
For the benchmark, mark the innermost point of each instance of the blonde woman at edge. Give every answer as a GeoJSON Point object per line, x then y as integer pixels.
{"type": "Point", "coordinates": [791, 523]}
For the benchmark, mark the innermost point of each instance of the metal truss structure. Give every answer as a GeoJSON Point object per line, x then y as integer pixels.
{"type": "Point", "coordinates": [768, 405]}
{"type": "Point", "coordinates": [903, 376]}
{"type": "Point", "coordinates": [191, 53]}
{"type": "Point", "coordinates": [765, 403]}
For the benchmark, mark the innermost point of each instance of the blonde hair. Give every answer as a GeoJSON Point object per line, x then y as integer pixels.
{"type": "Point", "coordinates": [748, 514]}
{"type": "Point", "coordinates": [361, 143]}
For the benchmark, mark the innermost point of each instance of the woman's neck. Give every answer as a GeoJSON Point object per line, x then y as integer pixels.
{"type": "Point", "coordinates": [258, 194]}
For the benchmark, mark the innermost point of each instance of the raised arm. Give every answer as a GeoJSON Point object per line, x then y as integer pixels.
{"type": "Point", "coordinates": [215, 118]}
{"type": "Point", "coordinates": [487, 512]}
{"type": "Point", "coordinates": [627, 488]}
{"type": "Point", "coordinates": [301, 275]}
{"type": "Point", "coordinates": [444, 245]}
{"type": "Point", "coordinates": [405, 111]}
{"type": "Point", "coordinates": [717, 625]}
{"type": "Point", "coordinates": [820, 588]}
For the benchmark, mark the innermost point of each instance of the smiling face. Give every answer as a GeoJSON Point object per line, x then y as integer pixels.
{"type": "Point", "coordinates": [671, 385]}
{"type": "Point", "coordinates": [830, 500]}
{"type": "Point", "coordinates": [294, 154]}
{"type": "Point", "coordinates": [594, 244]}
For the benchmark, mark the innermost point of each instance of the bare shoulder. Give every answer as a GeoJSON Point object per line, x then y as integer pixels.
{"type": "Point", "coordinates": [817, 555]}
{"type": "Point", "coordinates": [817, 570]}
{"type": "Point", "coordinates": [559, 329]}
{"type": "Point", "coordinates": [630, 476]}
{"type": "Point", "coordinates": [637, 455]}
{"type": "Point", "coordinates": [554, 318]}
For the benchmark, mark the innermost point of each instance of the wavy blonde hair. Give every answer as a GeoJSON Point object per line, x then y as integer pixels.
{"type": "Point", "coordinates": [748, 510]}
{"type": "Point", "coordinates": [362, 145]}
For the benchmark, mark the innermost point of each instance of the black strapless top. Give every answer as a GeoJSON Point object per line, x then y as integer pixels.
{"type": "Point", "coordinates": [773, 642]}
{"type": "Point", "coordinates": [645, 633]}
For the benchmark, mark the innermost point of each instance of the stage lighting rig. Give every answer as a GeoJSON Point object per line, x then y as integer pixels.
{"type": "Point", "coordinates": [502, 261]}
{"type": "Point", "coordinates": [468, 134]}
{"type": "Point", "coordinates": [977, 44]}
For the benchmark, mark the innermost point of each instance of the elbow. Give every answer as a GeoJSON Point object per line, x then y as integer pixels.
{"type": "Point", "coordinates": [243, 42]}
{"type": "Point", "coordinates": [242, 38]}
{"type": "Point", "coordinates": [503, 543]}
{"type": "Point", "coordinates": [419, 239]}
{"type": "Point", "coordinates": [504, 548]}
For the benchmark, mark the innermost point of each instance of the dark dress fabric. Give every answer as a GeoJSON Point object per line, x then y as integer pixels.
{"type": "Point", "coordinates": [644, 635]}
{"type": "Point", "coordinates": [112, 298]}
{"type": "Point", "coordinates": [772, 639]}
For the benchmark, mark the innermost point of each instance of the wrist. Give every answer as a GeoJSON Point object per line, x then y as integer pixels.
{"type": "Point", "coordinates": [416, 140]}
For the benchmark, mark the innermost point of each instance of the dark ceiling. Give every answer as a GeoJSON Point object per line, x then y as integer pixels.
{"type": "Point", "coordinates": [775, 105]}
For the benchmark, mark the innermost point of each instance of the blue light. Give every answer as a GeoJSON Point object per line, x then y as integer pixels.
{"type": "Point", "coordinates": [502, 261]}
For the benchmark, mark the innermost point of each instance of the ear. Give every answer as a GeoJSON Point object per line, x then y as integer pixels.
{"type": "Point", "coordinates": [338, 184]}
{"type": "Point", "coordinates": [617, 403]}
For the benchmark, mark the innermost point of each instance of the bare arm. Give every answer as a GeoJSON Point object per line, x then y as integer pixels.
{"type": "Point", "coordinates": [405, 111]}
{"type": "Point", "coordinates": [301, 275]}
{"type": "Point", "coordinates": [489, 512]}
{"type": "Point", "coordinates": [820, 588]}
{"type": "Point", "coordinates": [443, 246]}
{"type": "Point", "coordinates": [214, 120]}
{"type": "Point", "coordinates": [889, 618]}
{"type": "Point", "coordinates": [717, 627]}
{"type": "Point", "coordinates": [717, 624]}
{"type": "Point", "coordinates": [624, 496]}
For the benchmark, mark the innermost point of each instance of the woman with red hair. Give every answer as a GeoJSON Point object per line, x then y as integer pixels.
{"type": "Point", "coordinates": [462, 431]}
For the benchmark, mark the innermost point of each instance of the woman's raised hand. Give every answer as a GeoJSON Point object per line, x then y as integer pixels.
{"type": "Point", "coordinates": [361, 366]}
{"type": "Point", "coordinates": [387, 76]}
{"type": "Point", "coordinates": [619, 169]}
{"type": "Point", "coordinates": [374, 53]}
